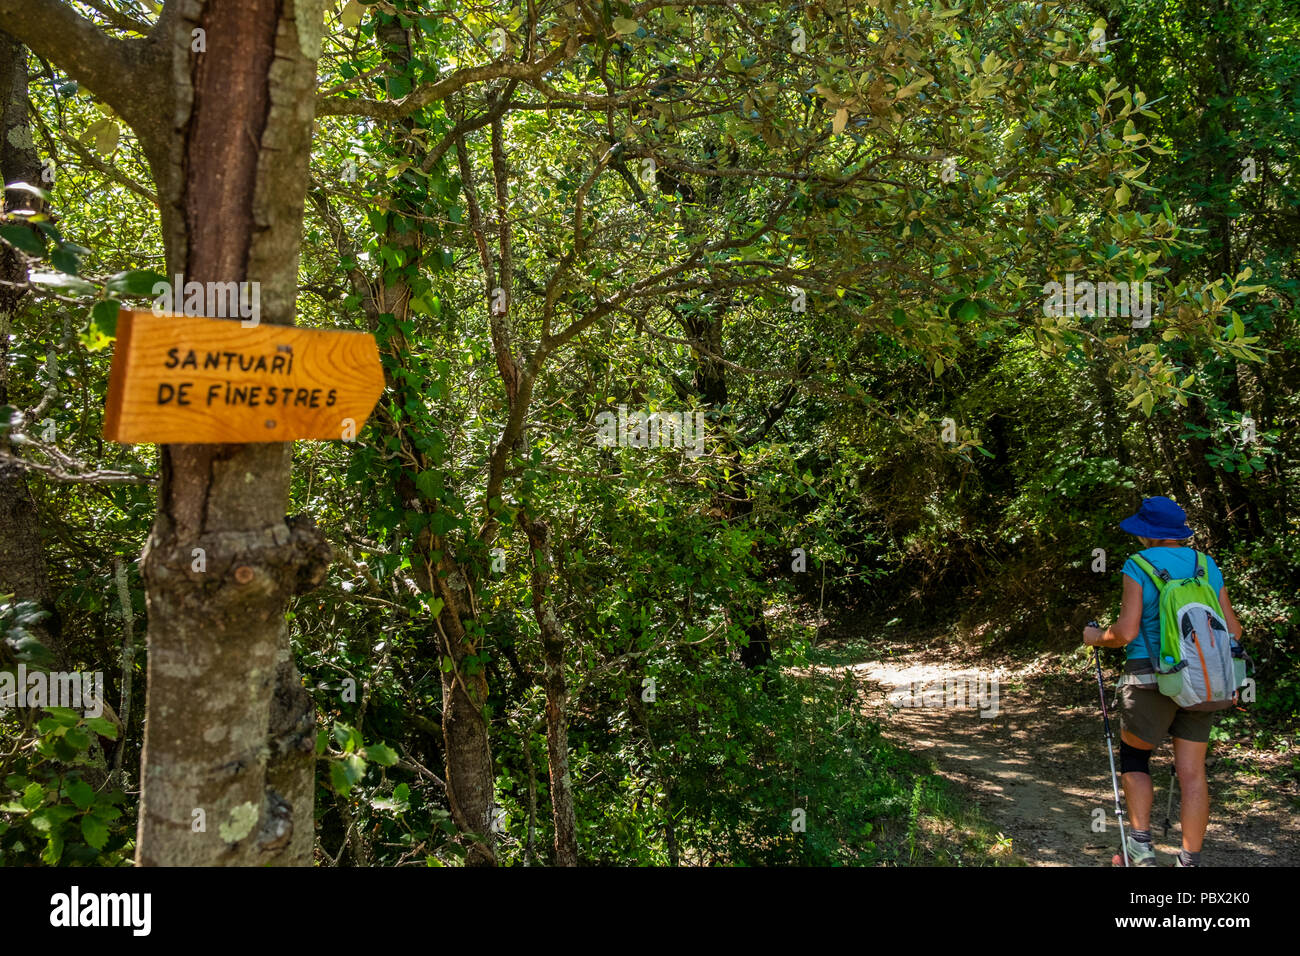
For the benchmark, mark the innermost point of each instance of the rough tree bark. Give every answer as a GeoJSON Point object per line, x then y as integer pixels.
{"type": "Point", "coordinates": [23, 569]}
{"type": "Point", "coordinates": [221, 95]}
{"type": "Point", "coordinates": [557, 692]}
{"type": "Point", "coordinates": [443, 573]}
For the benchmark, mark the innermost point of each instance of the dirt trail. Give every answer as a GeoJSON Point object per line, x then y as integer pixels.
{"type": "Point", "coordinates": [1038, 769]}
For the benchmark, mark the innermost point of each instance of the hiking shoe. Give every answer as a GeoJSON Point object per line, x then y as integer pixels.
{"type": "Point", "coordinates": [1140, 854]}
{"type": "Point", "coordinates": [1178, 861]}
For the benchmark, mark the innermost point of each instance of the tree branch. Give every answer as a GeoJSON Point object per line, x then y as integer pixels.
{"type": "Point", "coordinates": [92, 161]}
{"type": "Point", "coordinates": [119, 20]}
{"type": "Point", "coordinates": [109, 68]}
{"type": "Point", "coordinates": [778, 407]}
{"type": "Point", "coordinates": [434, 92]}
{"type": "Point", "coordinates": [103, 476]}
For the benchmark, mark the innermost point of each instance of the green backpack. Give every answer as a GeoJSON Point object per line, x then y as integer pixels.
{"type": "Point", "coordinates": [1200, 665]}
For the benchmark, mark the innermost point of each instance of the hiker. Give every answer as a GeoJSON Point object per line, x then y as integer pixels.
{"type": "Point", "coordinates": [1146, 714]}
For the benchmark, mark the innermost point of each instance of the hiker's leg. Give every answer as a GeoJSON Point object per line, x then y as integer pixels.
{"type": "Point", "coordinates": [1189, 760]}
{"type": "Point", "coordinates": [1145, 716]}
{"type": "Point", "coordinates": [1139, 794]}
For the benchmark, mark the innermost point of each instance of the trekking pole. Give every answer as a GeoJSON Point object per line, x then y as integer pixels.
{"type": "Point", "coordinates": [1110, 748]}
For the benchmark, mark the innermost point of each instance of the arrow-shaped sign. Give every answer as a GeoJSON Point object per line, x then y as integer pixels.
{"type": "Point", "coordinates": [178, 379]}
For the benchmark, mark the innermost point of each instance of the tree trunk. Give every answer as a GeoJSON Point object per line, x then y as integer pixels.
{"type": "Point", "coordinates": [710, 383]}
{"type": "Point", "coordinates": [471, 780]}
{"type": "Point", "coordinates": [23, 570]}
{"type": "Point", "coordinates": [221, 95]}
{"type": "Point", "coordinates": [470, 776]}
{"type": "Point", "coordinates": [229, 727]}
{"type": "Point", "coordinates": [557, 694]}
{"type": "Point", "coordinates": [1214, 506]}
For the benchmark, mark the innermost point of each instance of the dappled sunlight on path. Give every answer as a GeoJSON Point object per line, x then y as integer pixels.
{"type": "Point", "coordinates": [1031, 754]}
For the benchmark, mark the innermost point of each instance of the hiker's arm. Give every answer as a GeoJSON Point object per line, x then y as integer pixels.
{"type": "Point", "coordinates": [1229, 615]}
{"type": "Point", "coordinates": [1126, 629]}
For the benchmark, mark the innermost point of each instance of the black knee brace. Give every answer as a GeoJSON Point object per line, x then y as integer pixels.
{"type": "Point", "coordinates": [1134, 760]}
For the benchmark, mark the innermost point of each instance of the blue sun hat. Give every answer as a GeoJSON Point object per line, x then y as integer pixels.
{"type": "Point", "coordinates": [1158, 518]}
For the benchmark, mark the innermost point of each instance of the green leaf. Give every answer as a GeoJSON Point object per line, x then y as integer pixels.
{"type": "Point", "coordinates": [964, 310]}
{"type": "Point", "coordinates": [64, 716]}
{"type": "Point", "coordinates": [65, 752]}
{"type": "Point", "coordinates": [105, 813]}
{"type": "Point", "coordinates": [351, 14]}
{"type": "Point", "coordinates": [81, 794]}
{"type": "Point", "coordinates": [389, 803]}
{"type": "Point", "coordinates": [65, 284]}
{"type": "Point", "coordinates": [348, 738]}
{"type": "Point", "coordinates": [339, 778]}
{"type": "Point", "coordinates": [94, 832]}
{"type": "Point", "coordinates": [399, 802]}
{"type": "Point", "coordinates": [29, 188]}
{"type": "Point", "coordinates": [107, 138]}
{"type": "Point", "coordinates": [381, 754]}
{"type": "Point", "coordinates": [102, 726]}
{"type": "Point", "coordinates": [353, 767]}
{"type": "Point", "coordinates": [102, 328]}
{"type": "Point", "coordinates": [133, 282]}
{"type": "Point", "coordinates": [33, 795]}
{"type": "Point", "coordinates": [104, 134]}
{"type": "Point", "coordinates": [67, 258]}
{"type": "Point", "coordinates": [429, 483]}
{"type": "Point", "coordinates": [624, 26]}
{"type": "Point", "coordinates": [53, 851]}
{"type": "Point", "coordinates": [49, 819]}
{"type": "Point", "coordinates": [20, 237]}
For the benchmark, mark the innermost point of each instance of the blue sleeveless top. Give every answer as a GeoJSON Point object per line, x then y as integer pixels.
{"type": "Point", "coordinates": [1180, 563]}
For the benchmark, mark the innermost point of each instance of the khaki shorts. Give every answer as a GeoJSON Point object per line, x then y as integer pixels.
{"type": "Point", "coordinates": [1148, 715]}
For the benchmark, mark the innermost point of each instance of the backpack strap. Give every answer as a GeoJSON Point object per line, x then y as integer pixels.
{"type": "Point", "coordinates": [1159, 578]}
{"type": "Point", "coordinates": [1203, 574]}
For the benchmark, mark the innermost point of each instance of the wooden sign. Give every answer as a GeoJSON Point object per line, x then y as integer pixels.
{"type": "Point", "coordinates": [178, 379]}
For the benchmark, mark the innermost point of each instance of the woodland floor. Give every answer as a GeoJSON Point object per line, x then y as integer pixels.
{"type": "Point", "coordinates": [1038, 769]}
